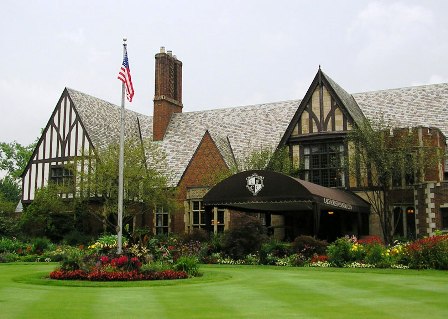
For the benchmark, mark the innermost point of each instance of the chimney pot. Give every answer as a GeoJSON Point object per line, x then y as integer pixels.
{"type": "Point", "coordinates": [162, 49]}
{"type": "Point", "coordinates": [170, 53]}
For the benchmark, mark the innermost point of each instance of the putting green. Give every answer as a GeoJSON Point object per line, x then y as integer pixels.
{"type": "Point", "coordinates": [229, 292]}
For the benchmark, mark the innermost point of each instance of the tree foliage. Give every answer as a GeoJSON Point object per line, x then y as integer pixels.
{"type": "Point", "coordinates": [14, 158]}
{"type": "Point", "coordinates": [268, 159]}
{"type": "Point", "coordinates": [262, 159]}
{"type": "Point", "coordinates": [382, 158]}
{"type": "Point", "coordinates": [145, 182]}
{"type": "Point", "coordinates": [43, 216]}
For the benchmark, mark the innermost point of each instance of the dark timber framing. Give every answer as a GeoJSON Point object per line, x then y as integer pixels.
{"type": "Point", "coordinates": [63, 140]}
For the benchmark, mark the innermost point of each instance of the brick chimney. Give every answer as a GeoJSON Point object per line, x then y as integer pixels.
{"type": "Point", "coordinates": [168, 91]}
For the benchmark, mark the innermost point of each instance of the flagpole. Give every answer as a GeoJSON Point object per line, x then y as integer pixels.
{"type": "Point", "coordinates": [121, 165]}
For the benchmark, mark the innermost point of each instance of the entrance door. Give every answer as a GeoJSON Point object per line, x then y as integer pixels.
{"type": "Point", "coordinates": [298, 223]}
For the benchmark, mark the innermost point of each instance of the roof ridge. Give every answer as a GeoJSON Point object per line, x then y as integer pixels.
{"type": "Point", "coordinates": [104, 101]}
{"type": "Point", "coordinates": [402, 88]}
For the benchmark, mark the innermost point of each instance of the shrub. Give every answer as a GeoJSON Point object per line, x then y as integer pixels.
{"type": "Point", "coordinates": [8, 245]}
{"type": "Point", "coordinates": [74, 258]}
{"type": "Point", "coordinates": [428, 253]}
{"type": "Point", "coordinates": [309, 246]}
{"type": "Point", "coordinates": [339, 252]}
{"type": "Point", "coordinates": [210, 248]}
{"type": "Point", "coordinates": [244, 239]}
{"type": "Point", "coordinates": [189, 264]}
{"type": "Point", "coordinates": [251, 259]}
{"type": "Point", "coordinates": [9, 225]}
{"type": "Point", "coordinates": [298, 260]}
{"type": "Point", "coordinates": [106, 243]}
{"type": "Point", "coordinates": [40, 244]}
{"type": "Point", "coordinates": [155, 267]}
{"type": "Point", "coordinates": [196, 235]}
{"type": "Point", "coordinates": [8, 257]}
{"type": "Point", "coordinates": [377, 255]}
{"type": "Point", "coordinates": [76, 237]}
{"type": "Point", "coordinates": [272, 250]}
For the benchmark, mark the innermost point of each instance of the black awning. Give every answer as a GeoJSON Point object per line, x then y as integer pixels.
{"type": "Point", "coordinates": [272, 191]}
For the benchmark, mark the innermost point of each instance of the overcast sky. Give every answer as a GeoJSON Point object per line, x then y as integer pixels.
{"type": "Point", "coordinates": [233, 52]}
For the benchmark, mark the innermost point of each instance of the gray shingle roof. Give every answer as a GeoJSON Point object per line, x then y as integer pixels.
{"type": "Point", "coordinates": [346, 99]}
{"type": "Point", "coordinates": [101, 119]}
{"type": "Point", "coordinates": [425, 105]}
{"type": "Point", "coordinates": [239, 131]}
{"type": "Point", "coordinates": [244, 129]}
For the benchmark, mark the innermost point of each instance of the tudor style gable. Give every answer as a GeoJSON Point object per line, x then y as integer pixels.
{"type": "Point", "coordinates": [315, 135]}
{"type": "Point", "coordinates": [325, 109]}
{"type": "Point", "coordinates": [63, 139]}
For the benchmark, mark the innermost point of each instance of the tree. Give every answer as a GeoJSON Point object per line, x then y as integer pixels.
{"type": "Point", "coordinates": [43, 216]}
{"type": "Point", "coordinates": [382, 158]}
{"type": "Point", "coordinates": [277, 160]}
{"type": "Point", "coordinates": [14, 157]}
{"type": "Point", "coordinates": [9, 197]}
{"type": "Point", "coordinates": [13, 160]}
{"type": "Point", "coordinates": [145, 182]}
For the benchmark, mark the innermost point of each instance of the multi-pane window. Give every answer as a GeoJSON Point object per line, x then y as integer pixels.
{"type": "Point", "coordinates": [61, 176]}
{"type": "Point", "coordinates": [213, 220]}
{"type": "Point", "coordinates": [197, 215]}
{"type": "Point", "coordinates": [323, 164]}
{"type": "Point", "coordinates": [218, 221]}
{"type": "Point", "coordinates": [161, 221]}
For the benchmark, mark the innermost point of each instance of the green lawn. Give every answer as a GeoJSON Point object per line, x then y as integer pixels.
{"type": "Point", "coordinates": [230, 292]}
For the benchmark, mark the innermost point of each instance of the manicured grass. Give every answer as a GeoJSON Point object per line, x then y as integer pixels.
{"type": "Point", "coordinates": [230, 292]}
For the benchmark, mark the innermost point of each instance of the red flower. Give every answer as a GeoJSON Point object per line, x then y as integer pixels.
{"type": "Point", "coordinates": [321, 258]}
{"type": "Point", "coordinates": [370, 240]}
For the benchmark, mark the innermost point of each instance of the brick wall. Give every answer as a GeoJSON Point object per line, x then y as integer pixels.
{"type": "Point", "coordinates": [205, 164]}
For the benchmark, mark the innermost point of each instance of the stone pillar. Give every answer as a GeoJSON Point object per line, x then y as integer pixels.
{"type": "Point", "coordinates": [278, 224]}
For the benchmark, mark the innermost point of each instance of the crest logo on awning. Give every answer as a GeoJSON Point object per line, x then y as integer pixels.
{"type": "Point", "coordinates": [254, 183]}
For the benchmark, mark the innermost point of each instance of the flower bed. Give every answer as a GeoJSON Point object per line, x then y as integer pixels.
{"type": "Point", "coordinates": [101, 275]}
{"type": "Point", "coordinates": [100, 262]}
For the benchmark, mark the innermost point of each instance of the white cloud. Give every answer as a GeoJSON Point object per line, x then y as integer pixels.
{"type": "Point", "coordinates": [385, 29]}
{"type": "Point", "coordinates": [25, 109]}
{"type": "Point", "coordinates": [96, 55]}
{"type": "Point", "coordinates": [433, 79]}
{"type": "Point", "coordinates": [436, 78]}
{"type": "Point", "coordinates": [75, 36]}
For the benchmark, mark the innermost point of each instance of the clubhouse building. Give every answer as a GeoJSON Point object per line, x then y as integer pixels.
{"type": "Point", "coordinates": [322, 200]}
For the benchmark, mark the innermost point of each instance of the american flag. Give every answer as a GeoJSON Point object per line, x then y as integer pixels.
{"type": "Point", "coordinates": [125, 76]}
